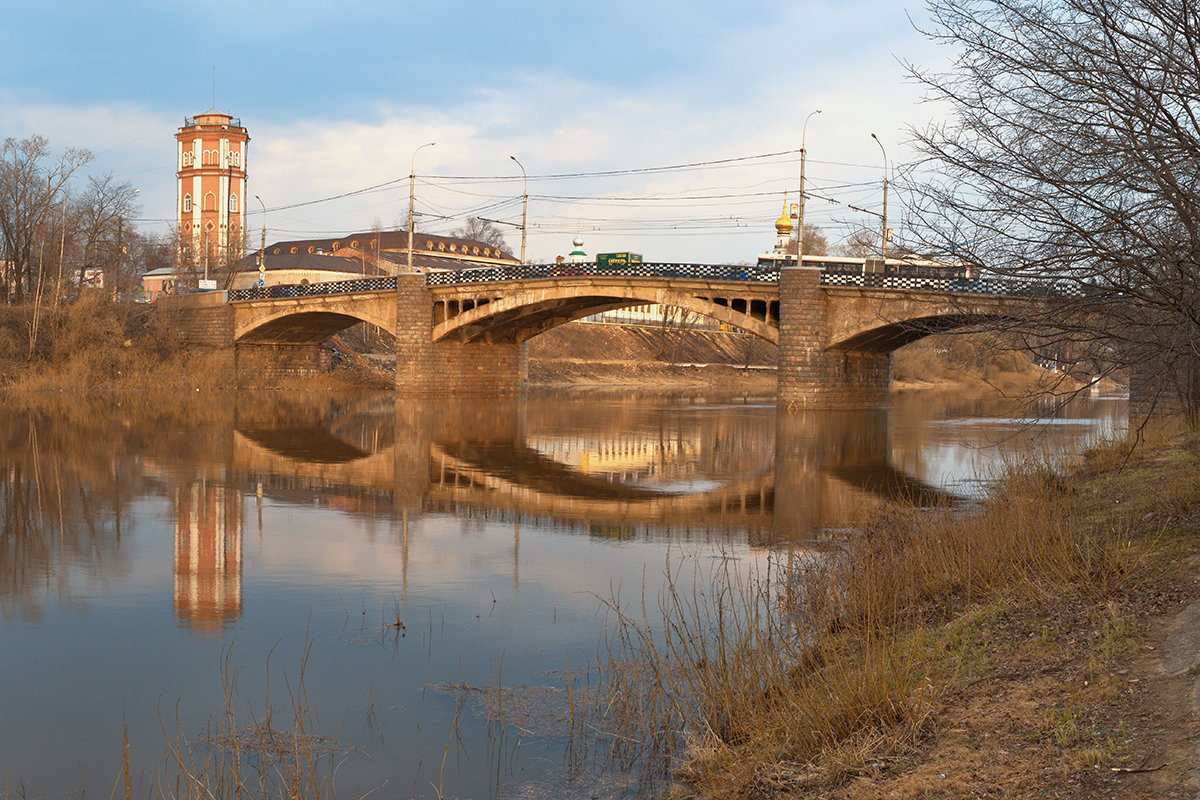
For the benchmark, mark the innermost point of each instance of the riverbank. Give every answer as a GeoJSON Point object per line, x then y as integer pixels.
{"type": "Point", "coordinates": [933, 657]}
{"type": "Point", "coordinates": [588, 356]}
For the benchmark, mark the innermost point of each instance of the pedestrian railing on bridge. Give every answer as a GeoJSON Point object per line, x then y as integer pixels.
{"type": "Point", "coordinates": [521, 272]}
{"type": "Point", "coordinates": [906, 282]}
{"type": "Point", "coordinates": [915, 278]}
{"type": "Point", "coordinates": [312, 289]}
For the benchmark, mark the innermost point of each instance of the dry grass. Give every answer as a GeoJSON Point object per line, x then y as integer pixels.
{"type": "Point", "coordinates": [94, 343]}
{"type": "Point", "coordinates": [241, 753]}
{"type": "Point", "coordinates": [973, 360]}
{"type": "Point", "coordinates": [831, 665]}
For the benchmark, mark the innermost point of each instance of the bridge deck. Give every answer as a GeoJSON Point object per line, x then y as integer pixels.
{"type": "Point", "coordinates": [895, 277]}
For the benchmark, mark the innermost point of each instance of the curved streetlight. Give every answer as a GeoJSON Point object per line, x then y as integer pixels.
{"type": "Point", "coordinates": [524, 205]}
{"type": "Point", "coordinates": [883, 238]}
{"type": "Point", "coordinates": [800, 221]}
{"type": "Point", "coordinates": [412, 168]}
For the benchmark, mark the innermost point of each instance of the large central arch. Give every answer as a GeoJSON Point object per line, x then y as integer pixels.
{"type": "Point", "coordinates": [516, 316]}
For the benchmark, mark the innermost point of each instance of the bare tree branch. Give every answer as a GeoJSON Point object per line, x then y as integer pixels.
{"type": "Point", "coordinates": [1073, 153]}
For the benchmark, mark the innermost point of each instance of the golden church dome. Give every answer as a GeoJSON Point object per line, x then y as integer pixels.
{"type": "Point", "coordinates": [784, 224]}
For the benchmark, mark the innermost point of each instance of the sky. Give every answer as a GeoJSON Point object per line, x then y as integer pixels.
{"type": "Point", "coordinates": [670, 129]}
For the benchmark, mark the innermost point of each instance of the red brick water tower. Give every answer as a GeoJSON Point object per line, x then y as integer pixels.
{"type": "Point", "coordinates": [211, 189]}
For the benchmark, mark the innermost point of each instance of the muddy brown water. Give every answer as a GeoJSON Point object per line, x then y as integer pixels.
{"type": "Point", "coordinates": [421, 553]}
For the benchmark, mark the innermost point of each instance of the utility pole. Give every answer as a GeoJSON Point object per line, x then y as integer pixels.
{"type": "Point", "coordinates": [800, 220]}
{"type": "Point", "coordinates": [412, 190]}
{"type": "Point", "coordinates": [524, 205]}
{"type": "Point", "coordinates": [120, 248]}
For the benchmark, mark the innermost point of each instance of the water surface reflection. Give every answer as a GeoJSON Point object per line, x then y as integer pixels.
{"type": "Point", "coordinates": [143, 535]}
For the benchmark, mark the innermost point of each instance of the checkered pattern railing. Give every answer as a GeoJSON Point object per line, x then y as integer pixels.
{"type": "Point", "coordinates": [311, 289]}
{"type": "Point", "coordinates": [717, 272]}
{"type": "Point", "coordinates": [914, 279]}
{"type": "Point", "coordinates": [1005, 286]}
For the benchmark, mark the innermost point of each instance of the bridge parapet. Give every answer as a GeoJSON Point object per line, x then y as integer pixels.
{"type": "Point", "coordinates": [918, 281]}
{"type": "Point", "coordinates": [895, 276]}
{"type": "Point", "coordinates": [522, 272]}
{"type": "Point", "coordinates": [312, 289]}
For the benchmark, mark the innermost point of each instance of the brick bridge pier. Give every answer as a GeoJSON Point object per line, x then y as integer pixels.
{"type": "Point", "coordinates": [464, 332]}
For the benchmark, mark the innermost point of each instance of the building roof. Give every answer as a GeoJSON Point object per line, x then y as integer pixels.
{"type": "Point", "coordinates": [310, 261]}
{"type": "Point", "coordinates": [424, 260]}
{"type": "Point", "coordinates": [433, 244]}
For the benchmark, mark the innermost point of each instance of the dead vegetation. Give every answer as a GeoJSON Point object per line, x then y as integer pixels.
{"type": "Point", "coordinates": [94, 343]}
{"type": "Point", "coordinates": [840, 673]}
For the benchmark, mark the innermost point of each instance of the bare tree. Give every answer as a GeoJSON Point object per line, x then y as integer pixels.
{"type": "Point", "coordinates": [231, 257]}
{"type": "Point", "coordinates": [32, 182]}
{"type": "Point", "coordinates": [815, 243]}
{"type": "Point", "coordinates": [674, 326]}
{"type": "Point", "coordinates": [1073, 153]}
{"type": "Point", "coordinates": [480, 230]}
{"type": "Point", "coordinates": [860, 244]}
{"type": "Point", "coordinates": [104, 212]}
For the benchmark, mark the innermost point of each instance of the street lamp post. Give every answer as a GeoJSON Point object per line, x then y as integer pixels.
{"type": "Point", "coordinates": [412, 168]}
{"type": "Point", "coordinates": [262, 247]}
{"type": "Point", "coordinates": [883, 238]}
{"type": "Point", "coordinates": [800, 220]}
{"type": "Point", "coordinates": [524, 205]}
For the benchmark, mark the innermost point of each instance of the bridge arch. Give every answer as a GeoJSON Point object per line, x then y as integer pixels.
{"type": "Point", "coordinates": [889, 336]}
{"type": "Point", "coordinates": [881, 321]}
{"type": "Point", "coordinates": [519, 316]}
{"type": "Point", "coordinates": [303, 326]}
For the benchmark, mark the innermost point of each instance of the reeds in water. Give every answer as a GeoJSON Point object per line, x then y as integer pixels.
{"type": "Point", "coordinates": [244, 753]}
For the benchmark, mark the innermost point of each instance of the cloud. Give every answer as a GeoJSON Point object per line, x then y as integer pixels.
{"type": "Point", "coordinates": [725, 87]}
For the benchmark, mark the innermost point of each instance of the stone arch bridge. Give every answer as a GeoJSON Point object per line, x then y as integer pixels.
{"type": "Point", "coordinates": [462, 332]}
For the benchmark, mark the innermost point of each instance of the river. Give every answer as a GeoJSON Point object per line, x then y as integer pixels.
{"type": "Point", "coordinates": [159, 550]}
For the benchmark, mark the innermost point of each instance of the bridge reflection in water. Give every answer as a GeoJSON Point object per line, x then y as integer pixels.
{"type": "Point", "coordinates": [628, 469]}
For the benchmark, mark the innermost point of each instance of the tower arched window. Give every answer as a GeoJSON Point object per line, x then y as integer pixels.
{"type": "Point", "coordinates": [187, 204]}
{"type": "Point", "coordinates": [233, 203]}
